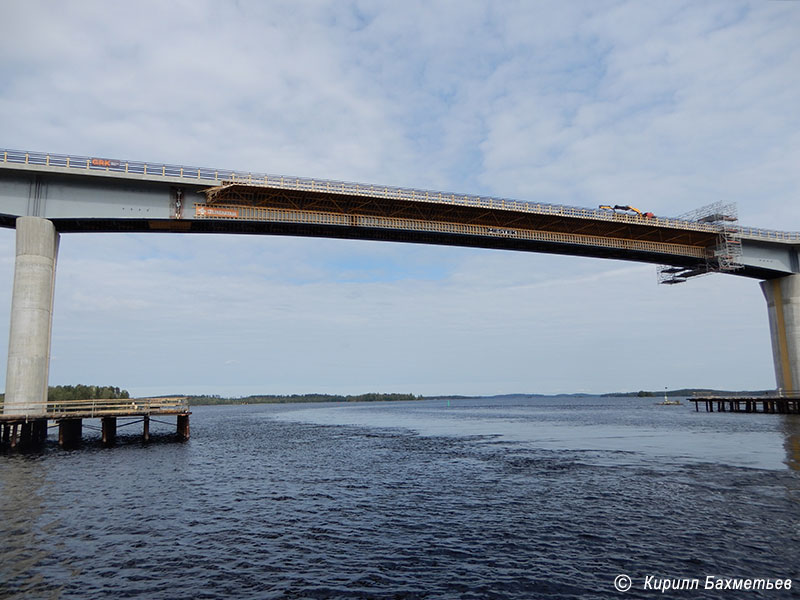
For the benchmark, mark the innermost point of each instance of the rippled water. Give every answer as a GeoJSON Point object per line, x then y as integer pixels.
{"type": "Point", "coordinates": [519, 498]}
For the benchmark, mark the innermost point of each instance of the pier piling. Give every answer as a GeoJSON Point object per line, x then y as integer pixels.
{"type": "Point", "coordinates": [109, 428]}
{"type": "Point", "coordinates": [69, 432]}
{"type": "Point", "coordinates": [24, 434]}
{"type": "Point", "coordinates": [183, 427]}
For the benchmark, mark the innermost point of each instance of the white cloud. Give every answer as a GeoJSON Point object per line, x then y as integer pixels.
{"type": "Point", "coordinates": [663, 106]}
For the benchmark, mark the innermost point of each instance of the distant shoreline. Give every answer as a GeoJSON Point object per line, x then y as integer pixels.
{"type": "Point", "coordinates": [205, 400]}
{"type": "Point", "coordinates": [375, 397]}
{"type": "Point", "coordinates": [299, 398]}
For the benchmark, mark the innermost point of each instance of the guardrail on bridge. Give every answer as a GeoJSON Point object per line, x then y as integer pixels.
{"type": "Point", "coordinates": [218, 176]}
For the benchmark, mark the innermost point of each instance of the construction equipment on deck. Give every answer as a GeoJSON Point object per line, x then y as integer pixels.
{"type": "Point", "coordinates": [626, 208]}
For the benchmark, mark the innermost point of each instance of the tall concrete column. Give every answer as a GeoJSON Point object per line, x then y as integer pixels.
{"type": "Point", "coordinates": [783, 306]}
{"type": "Point", "coordinates": [31, 317]}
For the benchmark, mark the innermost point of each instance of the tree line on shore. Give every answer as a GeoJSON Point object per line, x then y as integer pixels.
{"type": "Point", "coordinates": [274, 399]}
{"type": "Point", "coordinates": [61, 393]}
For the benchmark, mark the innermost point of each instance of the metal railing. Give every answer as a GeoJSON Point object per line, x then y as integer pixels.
{"type": "Point", "coordinates": [219, 176]}
{"type": "Point", "coordinates": [769, 234]}
{"type": "Point", "coordinates": [65, 409]}
{"type": "Point", "coordinates": [766, 395]}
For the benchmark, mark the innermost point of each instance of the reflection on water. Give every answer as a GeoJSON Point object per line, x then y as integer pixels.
{"type": "Point", "coordinates": [641, 427]}
{"type": "Point", "coordinates": [26, 561]}
{"type": "Point", "coordinates": [791, 433]}
{"type": "Point", "coordinates": [512, 498]}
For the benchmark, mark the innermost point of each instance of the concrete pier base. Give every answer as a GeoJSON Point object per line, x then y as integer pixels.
{"type": "Point", "coordinates": [109, 427]}
{"type": "Point", "coordinates": [783, 306]}
{"type": "Point", "coordinates": [70, 432]}
{"type": "Point", "coordinates": [31, 317]}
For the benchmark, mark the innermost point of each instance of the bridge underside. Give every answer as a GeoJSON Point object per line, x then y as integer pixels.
{"type": "Point", "coordinates": [441, 211]}
{"type": "Point", "coordinates": [346, 232]}
{"type": "Point", "coordinates": [563, 246]}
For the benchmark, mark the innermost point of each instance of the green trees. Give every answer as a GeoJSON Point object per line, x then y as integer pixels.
{"type": "Point", "coordinates": [60, 393]}
{"type": "Point", "coordinates": [266, 399]}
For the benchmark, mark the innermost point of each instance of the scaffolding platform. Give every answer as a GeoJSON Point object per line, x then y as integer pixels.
{"type": "Point", "coordinates": [727, 253]}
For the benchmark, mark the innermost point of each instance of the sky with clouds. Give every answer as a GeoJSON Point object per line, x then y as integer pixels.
{"type": "Point", "coordinates": [666, 106]}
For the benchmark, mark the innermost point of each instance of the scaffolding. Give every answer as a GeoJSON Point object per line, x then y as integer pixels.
{"type": "Point", "coordinates": [725, 257]}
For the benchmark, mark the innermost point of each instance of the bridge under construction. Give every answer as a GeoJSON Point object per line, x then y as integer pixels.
{"type": "Point", "coordinates": [45, 195]}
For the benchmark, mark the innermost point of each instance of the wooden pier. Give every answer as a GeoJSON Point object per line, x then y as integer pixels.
{"type": "Point", "coordinates": [29, 430]}
{"type": "Point", "coordinates": [784, 405]}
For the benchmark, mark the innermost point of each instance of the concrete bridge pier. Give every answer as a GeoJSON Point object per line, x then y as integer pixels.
{"type": "Point", "coordinates": [783, 305]}
{"type": "Point", "coordinates": [31, 317]}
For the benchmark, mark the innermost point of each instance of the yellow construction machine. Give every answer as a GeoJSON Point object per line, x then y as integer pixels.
{"type": "Point", "coordinates": [626, 208]}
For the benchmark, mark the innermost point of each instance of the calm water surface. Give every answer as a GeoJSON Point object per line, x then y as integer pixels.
{"type": "Point", "coordinates": [512, 498]}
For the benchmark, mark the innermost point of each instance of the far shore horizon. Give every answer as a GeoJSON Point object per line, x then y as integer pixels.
{"type": "Point", "coordinates": [209, 399]}
{"type": "Point", "coordinates": [200, 400]}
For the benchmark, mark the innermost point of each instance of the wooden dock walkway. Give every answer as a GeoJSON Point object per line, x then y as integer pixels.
{"type": "Point", "coordinates": [784, 405]}
{"type": "Point", "coordinates": [28, 427]}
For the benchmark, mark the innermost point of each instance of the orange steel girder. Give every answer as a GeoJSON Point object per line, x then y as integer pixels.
{"type": "Point", "coordinates": [264, 196]}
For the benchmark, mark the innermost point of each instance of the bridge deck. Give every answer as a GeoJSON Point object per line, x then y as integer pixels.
{"type": "Point", "coordinates": [213, 177]}
{"type": "Point", "coordinates": [85, 194]}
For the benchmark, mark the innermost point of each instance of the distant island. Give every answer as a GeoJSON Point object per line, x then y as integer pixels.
{"type": "Point", "coordinates": [60, 393]}
{"type": "Point", "coordinates": [691, 392]}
